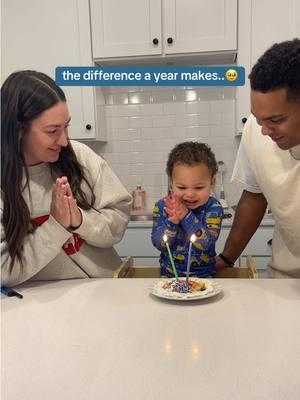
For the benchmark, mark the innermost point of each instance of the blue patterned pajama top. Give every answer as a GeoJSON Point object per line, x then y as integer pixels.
{"type": "Point", "coordinates": [205, 222]}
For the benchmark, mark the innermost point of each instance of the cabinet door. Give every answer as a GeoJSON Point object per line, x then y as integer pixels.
{"type": "Point", "coordinates": [125, 28]}
{"type": "Point", "coordinates": [137, 242]}
{"type": "Point", "coordinates": [194, 26]}
{"type": "Point", "coordinates": [261, 24]}
{"type": "Point", "coordinates": [284, 24]}
{"type": "Point", "coordinates": [42, 35]}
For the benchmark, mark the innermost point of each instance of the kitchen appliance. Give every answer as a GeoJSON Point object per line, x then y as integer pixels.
{"type": "Point", "coordinates": [222, 170]}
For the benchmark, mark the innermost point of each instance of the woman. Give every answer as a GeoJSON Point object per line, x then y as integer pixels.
{"type": "Point", "coordinates": [62, 207]}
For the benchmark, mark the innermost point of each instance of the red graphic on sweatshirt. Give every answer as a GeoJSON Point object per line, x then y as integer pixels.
{"type": "Point", "coordinates": [68, 248]}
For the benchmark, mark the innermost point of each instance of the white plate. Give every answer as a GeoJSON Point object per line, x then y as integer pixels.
{"type": "Point", "coordinates": [212, 289]}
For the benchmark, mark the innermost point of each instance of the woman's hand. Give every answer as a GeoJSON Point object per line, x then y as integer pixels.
{"type": "Point", "coordinates": [75, 217]}
{"type": "Point", "coordinates": [75, 213]}
{"type": "Point", "coordinates": [59, 207]}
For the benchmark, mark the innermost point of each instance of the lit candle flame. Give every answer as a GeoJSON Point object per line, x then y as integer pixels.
{"type": "Point", "coordinates": [193, 238]}
{"type": "Point", "coordinates": [165, 238]}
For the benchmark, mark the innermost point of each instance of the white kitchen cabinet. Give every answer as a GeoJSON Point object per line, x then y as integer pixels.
{"type": "Point", "coordinates": [162, 27]}
{"type": "Point", "coordinates": [42, 35]}
{"type": "Point", "coordinates": [261, 24]}
{"type": "Point", "coordinates": [259, 247]}
{"type": "Point", "coordinates": [137, 243]}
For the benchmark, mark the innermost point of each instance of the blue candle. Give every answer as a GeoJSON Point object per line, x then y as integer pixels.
{"type": "Point", "coordinates": [188, 266]}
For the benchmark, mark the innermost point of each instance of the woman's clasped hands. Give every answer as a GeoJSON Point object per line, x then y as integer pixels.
{"type": "Point", "coordinates": [63, 205]}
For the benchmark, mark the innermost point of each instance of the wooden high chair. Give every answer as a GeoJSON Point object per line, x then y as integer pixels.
{"type": "Point", "coordinates": [127, 270]}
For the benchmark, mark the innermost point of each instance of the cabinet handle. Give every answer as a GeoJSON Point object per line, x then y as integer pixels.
{"type": "Point", "coordinates": [170, 40]}
{"type": "Point", "coordinates": [88, 127]}
{"type": "Point", "coordinates": [244, 120]}
{"type": "Point", "coordinates": [155, 41]}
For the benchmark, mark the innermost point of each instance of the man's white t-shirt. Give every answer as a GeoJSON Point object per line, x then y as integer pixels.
{"type": "Point", "coordinates": [262, 167]}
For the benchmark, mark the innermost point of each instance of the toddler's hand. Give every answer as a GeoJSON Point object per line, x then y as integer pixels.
{"type": "Point", "coordinates": [175, 209]}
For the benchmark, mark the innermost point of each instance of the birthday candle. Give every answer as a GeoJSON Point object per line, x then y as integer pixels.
{"type": "Point", "coordinates": [192, 239]}
{"type": "Point", "coordinates": [165, 239]}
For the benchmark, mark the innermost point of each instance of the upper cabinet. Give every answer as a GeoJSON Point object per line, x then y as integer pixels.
{"type": "Point", "coordinates": [137, 28]}
{"type": "Point", "coordinates": [261, 24]}
{"type": "Point", "coordinates": [42, 35]}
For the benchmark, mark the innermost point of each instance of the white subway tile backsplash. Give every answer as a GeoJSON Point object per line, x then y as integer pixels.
{"type": "Point", "coordinates": [144, 124]}
{"type": "Point", "coordinates": [122, 146]}
{"type": "Point", "coordinates": [119, 122]}
{"type": "Point", "coordinates": [141, 145]}
{"type": "Point", "coordinates": [186, 120]}
{"type": "Point", "coordinates": [163, 144]}
{"type": "Point", "coordinates": [153, 133]}
{"type": "Point", "coordinates": [127, 158]}
{"type": "Point", "coordinates": [151, 109]}
{"type": "Point", "coordinates": [197, 131]}
{"type": "Point", "coordinates": [174, 108]}
{"type": "Point", "coordinates": [221, 130]}
{"type": "Point", "coordinates": [164, 120]}
{"type": "Point", "coordinates": [162, 96]}
{"type": "Point", "coordinates": [140, 122]}
{"type": "Point", "coordinates": [227, 118]}
{"type": "Point", "coordinates": [152, 157]}
{"type": "Point", "coordinates": [120, 98]}
{"type": "Point", "coordinates": [129, 134]}
{"type": "Point", "coordinates": [127, 111]}
{"type": "Point", "coordinates": [113, 134]}
{"type": "Point", "coordinates": [222, 105]}
{"type": "Point", "coordinates": [198, 107]}
{"type": "Point", "coordinates": [121, 169]}
{"type": "Point", "coordinates": [111, 158]}
{"type": "Point", "coordinates": [137, 168]}
{"type": "Point", "coordinates": [153, 180]}
{"type": "Point", "coordinates": [173, 132]}
{"type": "Point", "coordinates": [139, 98]}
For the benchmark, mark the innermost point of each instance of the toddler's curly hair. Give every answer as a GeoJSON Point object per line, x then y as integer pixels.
{"type": "Point", "coordinates": [191, 153]}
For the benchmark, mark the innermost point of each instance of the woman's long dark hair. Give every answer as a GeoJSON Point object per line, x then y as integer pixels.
{"type": "Point", "coordinates": [24, 96]}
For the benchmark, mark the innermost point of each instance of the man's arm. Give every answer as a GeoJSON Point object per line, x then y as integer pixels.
{"type": "Point", "coordinates": [249, 213]}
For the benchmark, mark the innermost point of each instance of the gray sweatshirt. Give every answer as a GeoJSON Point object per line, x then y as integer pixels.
{"type": "Point", "coordinates": [44, 257]}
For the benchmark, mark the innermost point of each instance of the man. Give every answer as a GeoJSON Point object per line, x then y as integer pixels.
{"type": "Point", "coordinates": [268, 161]}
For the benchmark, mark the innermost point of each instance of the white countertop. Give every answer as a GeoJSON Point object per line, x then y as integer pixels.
{"type": "Point", "coordinates": [110, 339]}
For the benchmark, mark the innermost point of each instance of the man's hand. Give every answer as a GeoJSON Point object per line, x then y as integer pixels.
{"type": "Point", "coordinates": [221, 263]}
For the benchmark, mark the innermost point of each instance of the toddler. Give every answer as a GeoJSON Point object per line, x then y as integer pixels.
{"type": "Point", "coordinates": [189, 209]}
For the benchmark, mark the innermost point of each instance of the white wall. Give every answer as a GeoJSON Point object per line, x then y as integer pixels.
{"type": "Point", "coordinates": [144, 124]}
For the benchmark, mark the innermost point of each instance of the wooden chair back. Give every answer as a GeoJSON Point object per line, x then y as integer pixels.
{"type": "Point", "coordinates": [127, 270]}
{"type": "Point", "coordinates": [124, 268]}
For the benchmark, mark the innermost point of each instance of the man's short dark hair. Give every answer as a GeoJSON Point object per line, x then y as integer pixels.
{"type": "Point", "coordinates": [278, 68]}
